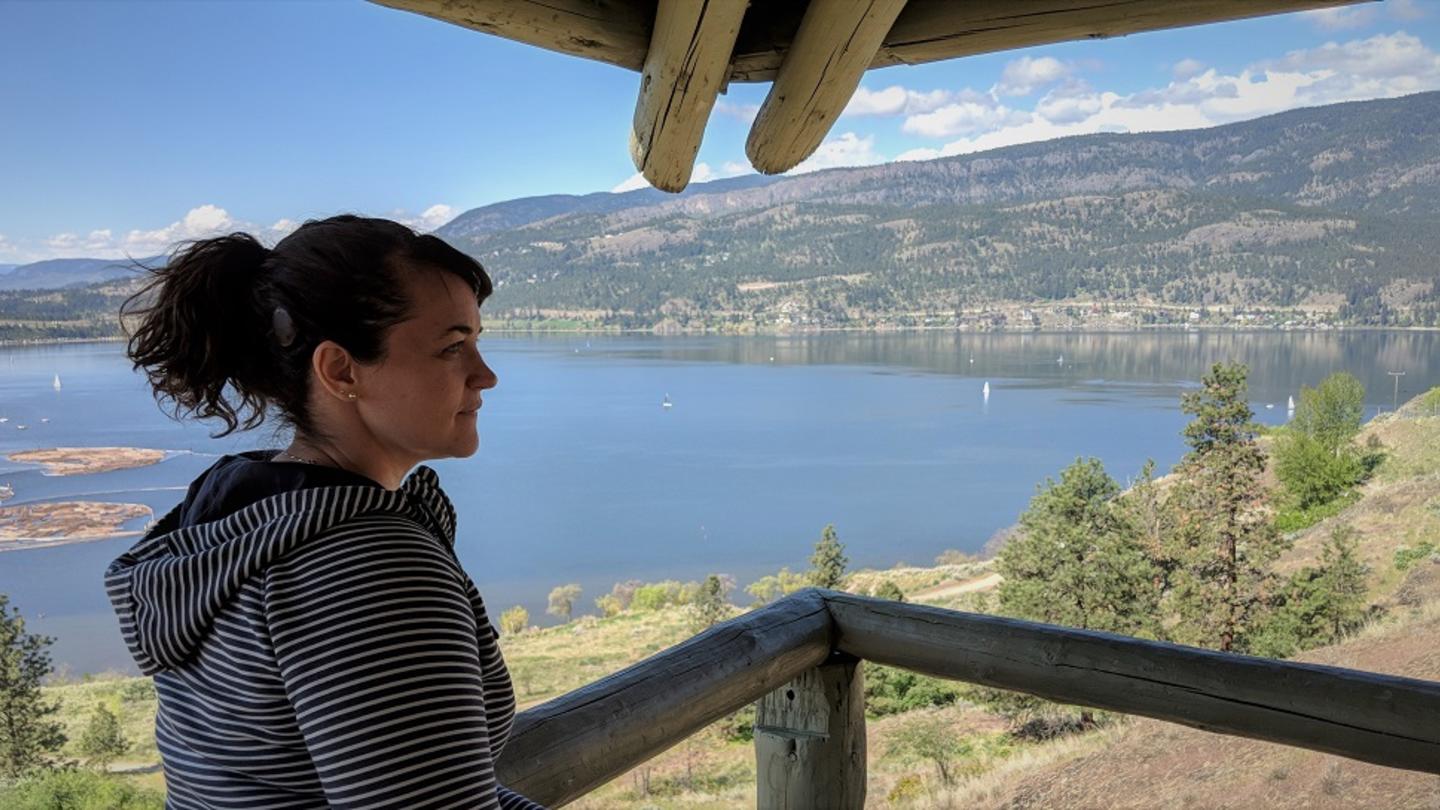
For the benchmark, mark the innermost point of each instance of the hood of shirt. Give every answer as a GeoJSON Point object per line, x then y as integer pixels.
{"type": "Point", "coordinates": [237, 518]}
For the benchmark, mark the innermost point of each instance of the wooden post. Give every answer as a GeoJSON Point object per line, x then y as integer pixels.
{"type": "Point", "coordinates": [836, 42]}
{"type": "Point", "coordinates": [688, 63]}
{"type": "Point", "coordinates": [810, 740]}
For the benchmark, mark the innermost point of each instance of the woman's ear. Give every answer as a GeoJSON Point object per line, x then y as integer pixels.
{"type": "Point", "coordinates": [334, 369]}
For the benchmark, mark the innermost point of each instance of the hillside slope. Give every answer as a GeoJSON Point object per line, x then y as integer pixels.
{"type": "Point", "coordinates": [1322, 208]}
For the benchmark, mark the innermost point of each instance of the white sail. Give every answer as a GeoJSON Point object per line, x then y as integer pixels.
{"type": "Point", "coordinates": [56, 384]}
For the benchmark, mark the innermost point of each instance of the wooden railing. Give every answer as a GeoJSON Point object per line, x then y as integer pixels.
{"type": "Point", "coordinates": [799, 656]}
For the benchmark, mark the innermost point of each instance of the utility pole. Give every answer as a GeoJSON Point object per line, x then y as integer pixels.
{"type": "Point", "coordinates": [1395, 398]}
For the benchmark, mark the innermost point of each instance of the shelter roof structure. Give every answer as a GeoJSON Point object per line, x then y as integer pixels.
{"type": "Point", "coordinates": [813, 51]}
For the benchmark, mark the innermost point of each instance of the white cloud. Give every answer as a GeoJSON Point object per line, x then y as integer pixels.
{"type": "Point", "coordinates": [1075, 100]}
{"type": "Point", "coordinates": [426, 221]}
{"type": "Point", "coordinates": [895, 100]}
{"type": "Point", "coordinates": [1380, 66]}
{"type": "Point", "coordinates": [1339, 19]}
{"type": "Point", "coordinates": [1186, 68]}
{"type": "Point", "coordinates": [848, 149]}
{"type": "Point", "coordinates": [634, 181]}
{"type": "Point", "coordinates": [201, 222]}
{"type": "Point", "coordinates": [701, 173]}
{"type": "Point", "coordinates": [1025, 75]}
{"type": "Point", "coordinates": [970, 112]}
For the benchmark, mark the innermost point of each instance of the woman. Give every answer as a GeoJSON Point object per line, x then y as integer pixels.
{"type": "Point", "coordinates": [313, 639]}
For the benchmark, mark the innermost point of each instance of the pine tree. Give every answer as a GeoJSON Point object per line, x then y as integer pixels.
{"type": "Point", "coordinates": [27, 731]}
{"type": "Point", "coordinates": [708, 608]}
{"type": "Point", "coordinates": [1078, 560]}
{"type": "Point", "coordinates": [102, 741]}
{"type": "Point", "coordinates": [1224, 540]}
{"type": "Point", "coordinates": [1342, 582]}
{"type": "Point", "coordinates": [827, 564]}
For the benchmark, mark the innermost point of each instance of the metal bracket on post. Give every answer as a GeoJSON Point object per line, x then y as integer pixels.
{"type": "Point", "coordinates": [810, 740]}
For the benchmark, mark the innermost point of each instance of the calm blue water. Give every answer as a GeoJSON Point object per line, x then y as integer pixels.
{"type": "Point", "coordinates": [583, 477]}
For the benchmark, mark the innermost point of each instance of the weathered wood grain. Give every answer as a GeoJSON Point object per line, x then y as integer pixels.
{"type": "Point", "coordinates": [616, 32]}
{"type": "Point", "coordinates": [688, 63]}
{"type": "Point", "coordinates": [934, 30]}
{"type": "Point", "coordinates": [567, 747]}
{"type": "Point", "coordinates": [1378, 718]}
{"type": "Point", "coordinates": [810, 740]}
{"type": "Point", "coordinates": [835, 43]}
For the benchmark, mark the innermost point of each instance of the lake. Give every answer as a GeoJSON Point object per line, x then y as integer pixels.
{"type": "Point", "coordinates": [583, 477]}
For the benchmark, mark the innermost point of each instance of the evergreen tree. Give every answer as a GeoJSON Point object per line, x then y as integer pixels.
{"type": "Point", "coordinates": [1077, 560]}
{"type": "Point", "coordinates": [1152, 515]}
{"type": "Point", "coordinates": [827, 564]}
{"type": "Point", "coordinates": [1224, 540]}
{"type": "Point", "coordinates": [1342, 585]}
{"type": "Point", "coordinates": [102, 741]}
{"type": "Point", "coordinates": [28, 732]}
{"type": "Point", "coordinates": [708, 608]}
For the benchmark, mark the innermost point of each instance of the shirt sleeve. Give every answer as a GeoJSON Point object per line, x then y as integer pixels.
{"type": "Point", "coordinates": [378, 649]}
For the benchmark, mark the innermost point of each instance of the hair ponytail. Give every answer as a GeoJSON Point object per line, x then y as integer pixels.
{"type": "Point", "coordinates": [208, 320]}
{"type": "Point", "coordinates": [204, 328]}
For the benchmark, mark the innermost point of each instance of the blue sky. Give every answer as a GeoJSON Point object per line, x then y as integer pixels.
{"type": "Point", "coordinates": [127, 125]}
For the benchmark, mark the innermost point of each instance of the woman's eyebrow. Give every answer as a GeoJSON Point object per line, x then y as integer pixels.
{"type": "Point", "coordinates": [462, 329]}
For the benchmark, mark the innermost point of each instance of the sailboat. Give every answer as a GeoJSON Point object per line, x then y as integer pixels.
{"type": "Point", "coordinates": [56, 384]}
{"type": "Point", "coordinates": [666, 403]}
{"type": "Point", "coordinates": [985, 392]}
{"type": "Point", "coordinates": [1290, 406]}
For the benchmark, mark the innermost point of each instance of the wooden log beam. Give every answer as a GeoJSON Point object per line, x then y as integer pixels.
{"type": "Point", "coordinates": [569, 746]}
{"type": "Point", "coordinates": [612, 31]}
{"type": "Point", "coordinates": [835, 43]}
{"type": "Point", "coordinates": [688, 64]}
{"type": "Point", "coordinates": [810, 740]}
{"type": "Point", "coordinates": [1377, 718]}
{"type": "Point", "coordinates": [933, 30]}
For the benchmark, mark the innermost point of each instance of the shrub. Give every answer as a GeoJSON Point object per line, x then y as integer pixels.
{"type": "Point", "coordinates": [1405, 556]}
{"type": "Point", "coordinates": [890, 690]}
{"type": "Point", "coordinates": [514, 620]}
{"type": "Point", "coordinates": [562, 601]}
{"type": "Point", "coordinates": [138, 691]}
{"type": "Point", "coordinates": [889, 590]}
{"type": "Point", "coordinates": [769, 588]}
{"type": "Point", "coordinates": [608, 605]}
{"type": "Point", "coordinates": [78, 790]}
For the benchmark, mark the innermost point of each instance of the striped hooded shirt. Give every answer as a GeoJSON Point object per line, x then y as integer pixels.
{"type": "Point", "coordinates": [314, 642]}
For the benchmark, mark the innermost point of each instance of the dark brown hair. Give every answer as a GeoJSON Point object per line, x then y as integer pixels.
{"type": "Point", "coordinates": [207, 317]}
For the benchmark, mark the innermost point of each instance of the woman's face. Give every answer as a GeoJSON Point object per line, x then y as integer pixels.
{"type": "Point", "coordinates": [422, 401]}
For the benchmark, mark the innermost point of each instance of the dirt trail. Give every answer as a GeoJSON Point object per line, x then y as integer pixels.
{"type": "Point", "coordinates": [949, 589]}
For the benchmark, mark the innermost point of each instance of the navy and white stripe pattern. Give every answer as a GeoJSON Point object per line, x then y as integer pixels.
{"type": "Point", "coordinates": [319, 647]}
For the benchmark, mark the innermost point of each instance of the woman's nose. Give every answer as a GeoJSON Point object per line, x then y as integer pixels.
{"type": "Point", "coordinates": [484, 378]}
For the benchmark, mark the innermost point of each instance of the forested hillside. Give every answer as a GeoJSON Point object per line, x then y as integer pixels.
{"type": "Point", "coordinates": [1314, 216]}
{"type": "Point", "coordinates": [1325, 209]}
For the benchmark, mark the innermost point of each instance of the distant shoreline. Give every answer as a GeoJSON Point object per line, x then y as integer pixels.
{"type": "Point", "coordinates": [864, 330]}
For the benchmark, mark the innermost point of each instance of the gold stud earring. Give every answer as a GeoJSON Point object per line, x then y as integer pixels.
{"type": "Point", "coordinates": [351, 395]}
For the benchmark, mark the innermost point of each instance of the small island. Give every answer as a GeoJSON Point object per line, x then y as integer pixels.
{"type": "Point", "coordinates": [41, 525]}
{"type": "Point", "coordinates": [88, 460]}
